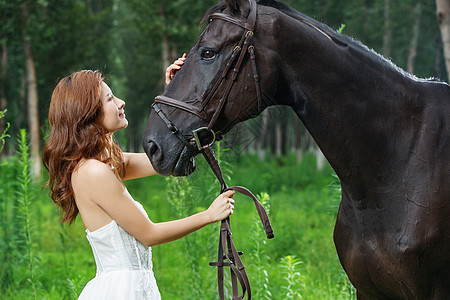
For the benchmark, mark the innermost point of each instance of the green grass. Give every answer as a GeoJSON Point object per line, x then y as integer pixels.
{"type": "Point", "coordinates": [299, 263]}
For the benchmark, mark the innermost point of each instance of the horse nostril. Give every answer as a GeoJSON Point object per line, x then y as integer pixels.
{"type": "Point", "coordinates": [152, 149]}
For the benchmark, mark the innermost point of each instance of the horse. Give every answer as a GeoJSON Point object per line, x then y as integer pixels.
{"type": "Point", "coordinates": [384, 132]}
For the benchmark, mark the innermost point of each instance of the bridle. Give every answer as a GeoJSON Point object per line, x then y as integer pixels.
{"type": "Point", "coordinates": [204, 137]}
{"type": "Point", "coordinates": [227, 78]}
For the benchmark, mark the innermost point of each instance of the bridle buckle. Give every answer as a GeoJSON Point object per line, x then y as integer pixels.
{"type": "Point", "coordinates": [204, 137]}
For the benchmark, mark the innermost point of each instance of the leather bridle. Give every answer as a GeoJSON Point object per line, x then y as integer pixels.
{"type": "Point", "coordinates": [228, 256]}
{"type": "Point", "coordinates": [227, 78]}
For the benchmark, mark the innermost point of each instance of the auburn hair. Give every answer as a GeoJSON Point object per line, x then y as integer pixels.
{"type": "Point", "coordinates": [75, 115]}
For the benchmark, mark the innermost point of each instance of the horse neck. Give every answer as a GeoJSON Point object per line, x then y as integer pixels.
{"type": "Point", "coordinates": [355, 104]}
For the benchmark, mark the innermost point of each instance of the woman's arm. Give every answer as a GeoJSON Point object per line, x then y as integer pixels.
{"type": "Point", "coordinates": [137, 165]}
{"type": "Point", "coordinates": [96, 183]}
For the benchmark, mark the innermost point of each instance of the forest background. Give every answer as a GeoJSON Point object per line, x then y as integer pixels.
{"type": "Point", "coordinates": [132, 42]}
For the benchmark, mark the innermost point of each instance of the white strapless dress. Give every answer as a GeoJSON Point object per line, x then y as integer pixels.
{"type": "Point", "coordinates": [124, 266]}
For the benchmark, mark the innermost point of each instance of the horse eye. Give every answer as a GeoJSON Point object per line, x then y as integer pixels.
{"type": "Point", "coordinates": [208, 54]}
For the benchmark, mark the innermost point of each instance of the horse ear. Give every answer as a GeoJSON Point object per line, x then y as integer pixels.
{"type": "Point", "coordinates": [233, 5]}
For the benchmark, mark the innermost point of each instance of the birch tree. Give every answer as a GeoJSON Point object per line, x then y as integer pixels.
{"type": "Point", "coordinates": [387, 29]}
{"type": "Point", "coordinates": [32, 95]}
{"type": "Point", "coordinates": [412, 53]}
{"type": "Point", "coordinates": [3, 101]}
{"type": "Point", "coordinates": [443, 16]}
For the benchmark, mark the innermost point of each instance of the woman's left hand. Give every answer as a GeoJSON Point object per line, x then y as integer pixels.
{"type": "Point", "coordinates": [173, 68]}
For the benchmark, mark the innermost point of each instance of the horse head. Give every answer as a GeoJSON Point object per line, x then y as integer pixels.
{"type": "Point", "coordinates": [229, 76]}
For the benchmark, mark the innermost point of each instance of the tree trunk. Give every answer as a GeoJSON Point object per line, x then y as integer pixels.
{"type": "Point", "coordinates": [322, 12]}
{"type": "Point", "coordinates": [415, 38]}
{"type": "Point", "coordinates": [283, 136]}
{"type": "Point", "coordinates": [366, 16]}
{"type": "Point", "coordinates": [3, 101]}
{"type": "Point", "coordinates": [320, 158]}
{"type": "Point", "coordinates": [278, 138]}
{"type": "Point", "coordinates": [263, 134]}
{"type": "Point", "coordinates": [165, 49]}
{"type": "Point", "coordinates": [438, 57]}
{"type": "Point", "coordinates": [387, 29]}
{"type": "Point", "coordinates": [298, 139]}
{"type": "Point", "coordinates": [32, 97]}
{"type": "Point", "coordinates": [271, 134]}
{"type": "Point", "coordinates": [89, 8]}
{"type": "Point", "coordinates": [443, 16]}
{"type": "Point", "coordinates": [309, 142]}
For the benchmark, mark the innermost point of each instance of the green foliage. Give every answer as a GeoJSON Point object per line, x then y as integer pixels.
{"type": "Point", "coordinates": [124, 40]}
{"type": "Point", "coordinates": [4, 134]}
{"type": "Point", "coordinates": [6, 225]}
{"type": "Point", "coordinates": [279, 173]}
{"type": "Point", "coordinates": [18, 247]}
{"type": "Point", "coordinates": [25, 242]}
{"type": "Point", "coordinates": [259, 255]}
{"type": "Point", "coordinates": [302, 216]}
{"type": "Point", "coordinates": [292, 276]}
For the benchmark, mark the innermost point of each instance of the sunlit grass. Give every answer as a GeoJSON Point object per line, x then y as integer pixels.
{"type": "Point", "coordinates": [299, 263]}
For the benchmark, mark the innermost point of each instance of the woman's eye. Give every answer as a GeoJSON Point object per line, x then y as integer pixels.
{"type": "Point", "coordinates": [208, 54]}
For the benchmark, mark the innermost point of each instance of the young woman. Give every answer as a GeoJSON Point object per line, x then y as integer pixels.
{"type": "Point", "coordinates": [87, 170]}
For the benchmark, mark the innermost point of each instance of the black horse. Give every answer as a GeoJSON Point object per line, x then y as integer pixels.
{"type": "Point", "coordinates": [384, 132]}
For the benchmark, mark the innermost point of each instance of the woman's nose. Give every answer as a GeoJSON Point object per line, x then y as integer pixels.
{"type": "Point", "coordinates": [120, 103]}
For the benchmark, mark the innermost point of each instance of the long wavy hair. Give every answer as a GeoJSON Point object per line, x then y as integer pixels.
{"type": "Point", "coordinates": [75, 115]}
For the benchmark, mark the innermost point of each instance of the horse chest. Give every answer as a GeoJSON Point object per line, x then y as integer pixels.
{"type": "Point", "coordinates": [384, 249]}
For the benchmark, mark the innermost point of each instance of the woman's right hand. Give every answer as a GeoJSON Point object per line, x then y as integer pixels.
{"type": "Point", "coordinates": [222, 207]}
{"type": "Point", "coordinates": [173, 68]}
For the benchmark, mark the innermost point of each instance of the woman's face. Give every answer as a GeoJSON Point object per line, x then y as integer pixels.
{"type": "Point", "coordinates": [113, 114]}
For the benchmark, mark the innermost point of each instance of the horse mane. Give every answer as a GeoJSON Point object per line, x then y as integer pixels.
{"type": "Point", "coordinates": [333, 34]}
{"type": "Point", "coordinates": [336, 37]}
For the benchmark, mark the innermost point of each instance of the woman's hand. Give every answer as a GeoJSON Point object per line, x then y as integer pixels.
{"type": "Point", "coordinates": [173, 68]}
{"type": "Point", "coordinates": [222, 207]}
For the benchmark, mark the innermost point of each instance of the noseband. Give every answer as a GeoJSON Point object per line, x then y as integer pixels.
{"type": "Point", "coordinates": [204, 137]}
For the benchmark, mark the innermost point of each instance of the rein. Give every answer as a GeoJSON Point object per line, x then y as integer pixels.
{"type": "Point", "coordinates": [228, 256]}
{"type": "Point", "coordinates": [204, 138]}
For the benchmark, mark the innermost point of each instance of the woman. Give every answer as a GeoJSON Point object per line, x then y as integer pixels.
{"type": "Point", "coordinates": [87, 170]}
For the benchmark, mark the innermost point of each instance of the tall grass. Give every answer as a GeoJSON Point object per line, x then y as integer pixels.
{"type": "Point", "coordinates": [41, 259]}
{"type": "Point", "coordinates": [188, 196]}
{"type": "Point", "coordinates": [18, 246]}
{"type": "Point", "coordinates": [184, 203]}
{"type": "Point", "coordinates": [4, 134]}
{"type": "Point", "coordinates": [293, 277]}
{"type": "Point", "coordinates": [24, 213]}
{"type": "Point", "coordinates": [259, 255]}
{"type": "Point", "coordinates": [5, 244]}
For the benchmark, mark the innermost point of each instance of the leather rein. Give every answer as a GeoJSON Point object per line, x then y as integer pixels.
{"type": "Point", "coordinates": [228, 256]}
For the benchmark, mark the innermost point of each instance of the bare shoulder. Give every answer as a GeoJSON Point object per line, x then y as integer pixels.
{"type": "Point", "coordinates": [93, 182]}
{"type": "Point", "coordinates": [92, 173]}
{"type": "Point", "coordinates": [91, 168]}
